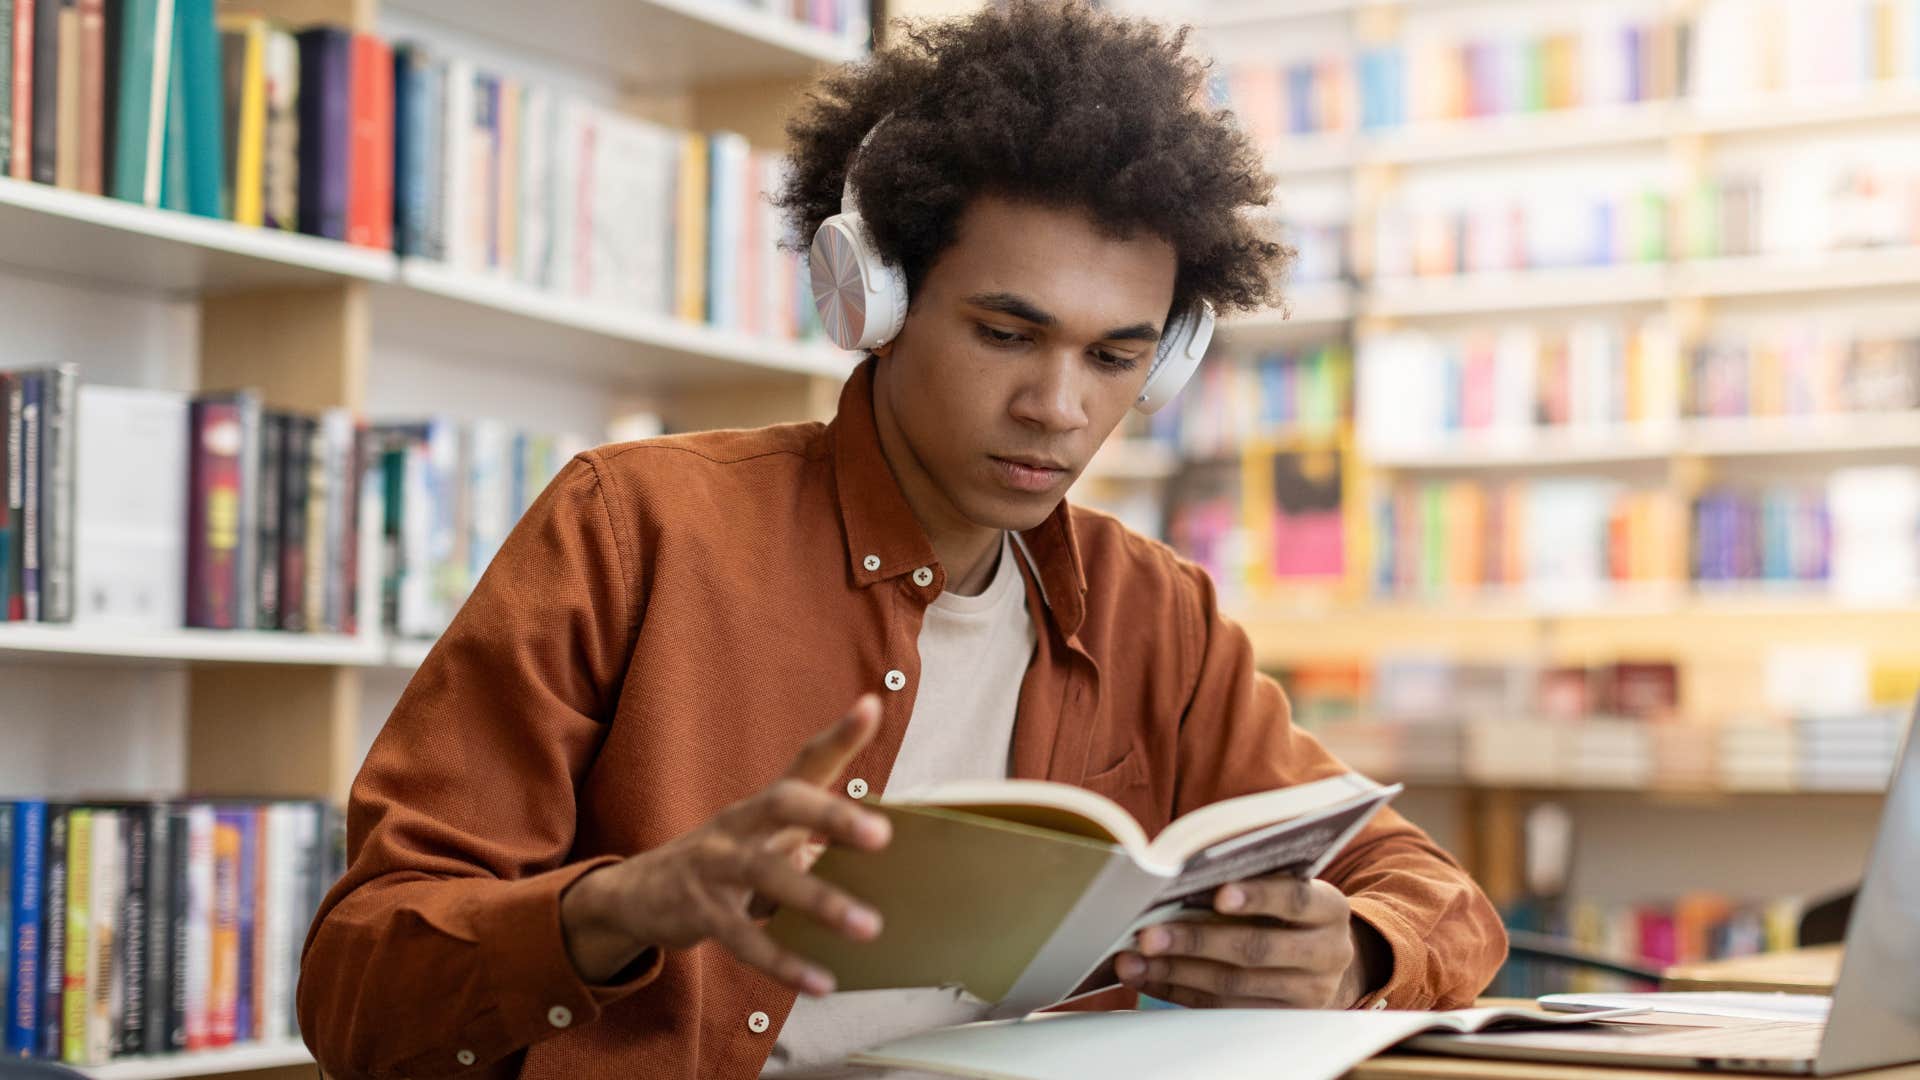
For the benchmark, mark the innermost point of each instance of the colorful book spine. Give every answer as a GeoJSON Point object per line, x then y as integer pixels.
{"type": "Point", "coordinates": [32, 449]}
{"type": "Point", "coordinates": [370, 143]}
{"type": "Point", "coordinates": [223, 973]}
{"type": "Point", "coordinates": [325, 103]}
{"type": "Point", "coordinates": [53, 975]}
{"type": "Point", "coordinates": [9, 491]}
{"type": "Point", "coordinates": [28, 892]}
{"type": "Point", "coordinates": [20, 163]}
{"type": "Point", "coordinates": [74, 998]}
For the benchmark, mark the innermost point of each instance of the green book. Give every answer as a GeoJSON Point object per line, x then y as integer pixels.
{"type": "Point", "coordinates": [146, 36]}
{"type": "Point", "coordinates": [203, 100]}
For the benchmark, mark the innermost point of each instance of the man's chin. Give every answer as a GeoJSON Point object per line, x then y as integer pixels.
{"type": "Point", "coordinates": [1011, 512]}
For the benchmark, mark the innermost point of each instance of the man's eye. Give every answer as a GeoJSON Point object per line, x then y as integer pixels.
{"type": "Point", "coordinates": [998, 337]}
{"type": "Point", "coordinates": [1113, 360]}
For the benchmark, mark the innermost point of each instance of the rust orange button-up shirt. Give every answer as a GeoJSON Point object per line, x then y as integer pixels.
{"type": "Point", "coordinates": [659, 635]}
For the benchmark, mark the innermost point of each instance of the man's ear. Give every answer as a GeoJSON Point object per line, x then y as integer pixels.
{"type": "Point", "coordinates": [882, 351]}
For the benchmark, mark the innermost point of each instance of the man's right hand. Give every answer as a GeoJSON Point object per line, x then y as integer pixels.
{"type": "Point", "coordinates": [753, 855]}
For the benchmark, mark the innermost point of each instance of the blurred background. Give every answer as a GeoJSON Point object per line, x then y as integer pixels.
{"type": "Point", "coordinates": [1577, 486]}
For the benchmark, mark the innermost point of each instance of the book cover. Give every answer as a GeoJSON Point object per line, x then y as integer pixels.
{"type": "Point", "coordinates": [6, 85]}
{"type": "Point", "coordinates": [456, 179]}
{"type": "Point", "coordinates": [46, 91]}
{"type": "Point", "coordinates": [195, 958]}
{"type": "Point", "coordinates": [74, 999]}
{"type": "Point", "coordinates": [412, 147]}
{"type": "Point", "coordinates": [145, 35]}
{"type": "Point", "coordinates": [370, 152]}
{"type": "Point", "coordinates": [233, 63]}
{"type": "Point", "coordinates": [690, 229]}
{"type": "Point", "coordinates": [112, 13]}
{"type": "Point", "coordinates": [53, 936]}
{"type": "Point", "coordinates": [319, 496]}
{"type": "Point", "coordinates": [484, 174]}
{"type": "Point", "coordinates": [341, 517]}
{"type": "Point", "coordinates": [8, 842]}
{"type": "Point", "coordinates": [326, 65]}
{"type": "Point", "coordinates": [213, 513]}
{"type": "Point", "coordinates": [157, 968]}
{"type": "Point", "coordinates": [107, 893]}
{"type": "Point", "coordinates": [245, 823]}
{"type": "Point", "coordinates": [32, 451]}
{"type": "Point", "coordinates": [273, 447]}
{"type": "Point", "coordinates": [19, 164]}
{"type": "Point", "coordinates": [28, 883]}
{"type": "Point", "coordinates": [223, 972]}
{"type": "Point", "coordinates": [170, 182]}
{"type": "Point", "coordinates": [280, 161]}
{"type": "Point", "coordinates": [294, 475]}
{"type": "Point", "coordinates": [247, 566]}
{"type": "Point", "coordinates": [90, 105]}
{"type": "Point", "coordinates": [199, 124]}
{"type": "Point", "coordinates": [130, 474]}
{"type": "Point", "coordinates": [1022, 891]}
{"type": "Point", "coordinates": [66, 108]}
{"type": "Point", "coordinates": [130, 943]}
{"type": "Point", "coordinates": [276, 923]}
{"type": "Point", "coordinates": [506, 176]}
{"type": "Point", "coordinates": [261, 955]}
{"type": "Point", "coordinates": [9, 492]}
{"type": "Point", "coordinates": [57, 493]}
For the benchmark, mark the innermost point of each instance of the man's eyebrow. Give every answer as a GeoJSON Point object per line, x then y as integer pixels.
{"type": "Point", "coordinates": [1021, 308]}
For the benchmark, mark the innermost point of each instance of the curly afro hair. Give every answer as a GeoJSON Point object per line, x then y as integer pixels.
{"type": "Point", "coordinates": [1054, 103]}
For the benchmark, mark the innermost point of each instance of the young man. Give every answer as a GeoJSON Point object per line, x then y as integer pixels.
{"type": "Point", "coordinates": [614, 760]}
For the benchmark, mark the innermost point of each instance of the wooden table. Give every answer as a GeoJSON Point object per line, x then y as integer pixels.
{"type": "Point", "coordinates": [1795, 971]}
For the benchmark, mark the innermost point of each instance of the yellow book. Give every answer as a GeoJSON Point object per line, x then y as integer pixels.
{"type": "Point", "coordinates": [250, 140]}
{"type": "Point", "coordinates": [507, 207]}
{"type": "Point", "coordinates": [73, 996]}
{"type": "Point", "coordinates": [690, 230]}
{"type": "Point", "coordinates": [1022, 891]}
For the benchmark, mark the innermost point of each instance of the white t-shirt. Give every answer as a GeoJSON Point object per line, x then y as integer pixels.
{"type": "Point", "coordinates": [974, 652]}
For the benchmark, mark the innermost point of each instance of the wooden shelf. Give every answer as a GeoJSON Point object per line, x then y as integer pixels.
{"type": "Point", "coordinates": [1520, 290]}
{"type": "Point", "coordinates": [1317, 306]}
{"type": "Point", "coordinates": [1522, 134]}
{"type": "Point", "coordinates": [653, 44]}
{"type": "Point", "coordinates": [203, 1062]}
{"type": "Point", "coordinates": [1761, 436]}
{"type": "Point", "coordinates": [190, 646]}
{"type": "Point", "coordinates": [481, 316]}
{"type": "Point", "coordinates": [101, 241]}
{"type": "Point", "coordinates": [1819, 271]}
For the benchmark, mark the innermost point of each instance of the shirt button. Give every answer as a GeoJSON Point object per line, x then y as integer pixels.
{"type": "Point", "coordinates": [559, 1016]}
{"type": "Point", "coordinates": [923, 577]}
{"type": "Point", "coordinates": [758, 1022]}
{"type": "Point", "coordinates": [871, 562]}
{"type": "Point", "coordinates": [1378, 1004]}
{"type": "Point", "coordinates": [464, 1057]}
{"type": "Point", "coordinates": [895, 680]}
{"type": "Point", "coordinates": [857, 788]}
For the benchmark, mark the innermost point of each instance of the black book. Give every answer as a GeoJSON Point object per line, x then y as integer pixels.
{"type": "Point", "coordinates": [130, 944]}
{"type": "Point", "coordinates": [46, 90]}
{"type": "Point", "coordinates": [58, 446]}
{"type": "Point", "coordinates": [53, 920]}
{"type": "Point", "coordinates": [160, 903]}
{"type": "Point", "coordinates": [273, 443]}
{"type": "Point", "coordinates": [175, 1031]}
{"type": "Point", "coordinates": [293, 522]}
{"type": "Point", "coordinates": [16, 495]}
{"type": "Point", "coordinates": [114, 14]}
{"type": "Point", "coordinates": [33, 463]}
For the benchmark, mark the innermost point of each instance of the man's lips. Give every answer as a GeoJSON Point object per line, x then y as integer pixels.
{"type": "Point", "coordinates": [1029, 474]}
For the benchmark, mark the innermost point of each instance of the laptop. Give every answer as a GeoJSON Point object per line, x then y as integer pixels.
{"type": "Point", "coordinates": [1874, 1018]}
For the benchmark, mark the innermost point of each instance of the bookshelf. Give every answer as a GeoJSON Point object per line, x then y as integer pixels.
{"type": "Point", "coordinates": [164, 300]}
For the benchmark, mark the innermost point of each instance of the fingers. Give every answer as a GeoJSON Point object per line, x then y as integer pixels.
{"type": "Point", "coordinates": [793, 803]}
{"type": "Point", "coordinates": [775, 880]}
{"type": "Point", "coordinates": [827, 754]}
{"type": "Point", "coordinates": [1284, 897]}
{"type": "Point", "coordinates": [1252, 945]}
{"type": "Point", "coordinates": [1225, 985]}
{"type": "Point", "coordinates": [752, 945]}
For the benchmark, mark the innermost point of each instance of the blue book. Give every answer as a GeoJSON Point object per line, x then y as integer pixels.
{"type": "Point", "coordinates": [326, 67]}
{"type": "Point", "coordinates": [412, 147]}
{"type": "Point", "coordinates": [28, 872]}
{"type": "Point", "coordinates": [246, 822]}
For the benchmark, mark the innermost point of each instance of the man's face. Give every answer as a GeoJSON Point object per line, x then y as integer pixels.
{"type": "Point", "coordinates": [1027, 343]}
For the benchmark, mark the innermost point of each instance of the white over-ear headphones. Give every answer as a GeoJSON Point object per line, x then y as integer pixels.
{"type": "Point", "coordinates": [862, 299]}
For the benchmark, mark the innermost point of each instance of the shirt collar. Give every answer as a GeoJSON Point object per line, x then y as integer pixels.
{"type": "Point", "coordinates": [885, 540]}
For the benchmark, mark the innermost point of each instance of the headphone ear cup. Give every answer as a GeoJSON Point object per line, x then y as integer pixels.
{"type": "Point", "coordinates": [1178, 356]}
{"type": "Point", "coordinates": [862, 301]}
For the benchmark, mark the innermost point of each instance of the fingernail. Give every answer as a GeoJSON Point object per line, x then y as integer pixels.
{"type": "Point", "coordinates": [1153, 940]}
{"type": "Point", "coordinates": [816, 982]}
{"type": "Point", "coordinates": [1231, 898]}
{"type": "Point", "coordinates": [876, 830]}
{"type": "Point", "coordinates": [1129, 967]}
{"type": "Point", "coordinates": [862, 922]}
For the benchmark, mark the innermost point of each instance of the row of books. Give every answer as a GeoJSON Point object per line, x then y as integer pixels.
{"type": "Point", "coordinates": [1781, 534]}
{"type": "Point", "coordinates": [505, 178]}
{"type": "Point", "coordinates": [1272, 395]}
{"type": "Point", "coordinates": [1559, 228]}
{"type": "Point", "coordinates": [1557, 540]}
{"type": "Point", "coordinates": [1802, 369]}
{"type": "Point", "coordinates": [161, 510]}
{"type": "Point", "coordinates": [137, 928]}
{"type": "Point", "coordinates": [1417, 388]}
{"type": "Point", "coordinates": [844, 17]}
{"type": "Point", "coordinates": [1656, 934]}
{"type": "Point", "coordinates": [1728, 52]}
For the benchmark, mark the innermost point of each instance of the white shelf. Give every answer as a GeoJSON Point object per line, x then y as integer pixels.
{"type": "Point", "coordinates": [1302, 155]}
{"type": "Point", "coordinates": [1545, 448]}
{"type": "Point", "coordinates": [1520, 290]}
{"type": "Point", "coordinates": [1522, 134]}
{"type": "Point", "coordinates": [205, 646]}
{"type": "Point", "coordinates": [1730, 437]}
{"type": "Point", "coordinates": [653, 44]}
{"type": "Point", "coordinates": [1818, 271]}
{"type": "Point", "coordinates": [406, 653]}
{"type": "Point", "coordinates": [482, 315]}
{"type": "Point", "coordinates": [106, 241]}
{"type": "Point", "coordinates": [203, 1062]}
{"type": "Point", "coordinates": [1783, 112]}
{"type": "Point", "coordinates": [1319, 305]}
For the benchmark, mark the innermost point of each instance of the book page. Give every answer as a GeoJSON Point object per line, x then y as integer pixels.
{"type": "Point", "coordinates": [1228, 818]}
{"type": "Point", "coordinates": [1041, 804]}
{"type": "Point", "coordinates": [1301, 847]}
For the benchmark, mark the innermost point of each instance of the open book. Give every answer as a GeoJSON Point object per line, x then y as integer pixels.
{"type": "Point", "coordinates": [1219, 1044]}
{"type": "Point", "coordinates": [1022, 891]}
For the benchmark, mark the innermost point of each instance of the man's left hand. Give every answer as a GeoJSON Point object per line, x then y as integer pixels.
{"type": "Point", "coordinates": [1290, 944]}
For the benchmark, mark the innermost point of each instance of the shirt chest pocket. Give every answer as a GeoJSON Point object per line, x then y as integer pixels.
{"type": "Point", "coordinates": [1128, 783]}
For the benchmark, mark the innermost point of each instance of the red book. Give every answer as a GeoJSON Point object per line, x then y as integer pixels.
{"type": "Point", "coordinates": [21, 167]}
{"type": "Point", "coordinates": [213, 515]}
{"type": "Point", "coordinates": [370, 147]}
{"type": "Point", "coordinates": [93, 96]}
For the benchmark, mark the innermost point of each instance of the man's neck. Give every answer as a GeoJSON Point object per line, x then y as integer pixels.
{"type": "Point", "coordinates": [968, 551]}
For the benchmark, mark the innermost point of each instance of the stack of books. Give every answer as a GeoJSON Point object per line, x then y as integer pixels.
{"type": "Point", "coordinates": [1656, 933]}
{"type": "Point", "coordinates": [1507, 385]}
{"type": "Point", "coordinates": [1780, 535]}
{"type": "Point", "coordinates": [1849, 751]}
{"type": "Point", "coordinates": [154, 927]}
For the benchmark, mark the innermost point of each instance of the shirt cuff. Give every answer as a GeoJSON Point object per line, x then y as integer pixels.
{"type": "Point", "coordinates": [1404, 982]}
{"type": "Point", "coordinates": [537, 990]}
